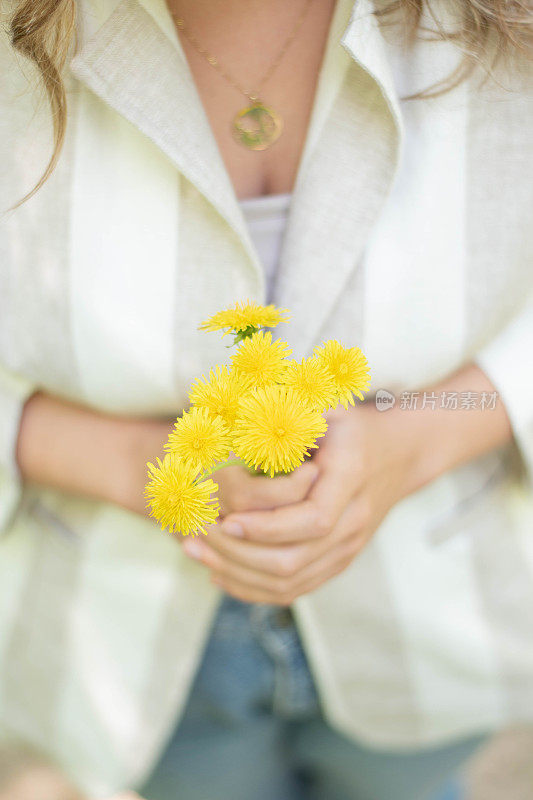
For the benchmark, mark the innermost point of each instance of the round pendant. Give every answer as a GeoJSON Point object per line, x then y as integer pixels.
{"type": "Point", "coordinates": [257, 127]}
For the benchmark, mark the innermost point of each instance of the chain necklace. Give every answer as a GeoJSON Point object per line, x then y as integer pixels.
{"type": "Point", "coordinates": [256, 126]}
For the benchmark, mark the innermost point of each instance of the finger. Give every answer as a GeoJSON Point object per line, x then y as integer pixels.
{"type": "Point", "coordinates": [233, 571]}
{"type": "Point", "coordinates": [278, 560]}
{"type": "Point", "coordinates": [283, 560]}
{"type": "Point", "coordinates": [284, 525]}
{"type": "Point", "coordinates": [313, 518]}
{"type": "Point", "coordinates": [328, 567]}
{"type": "Point", "coordinates": [241, 491]}
{"type": "Point", "coordinates": [289, 580]}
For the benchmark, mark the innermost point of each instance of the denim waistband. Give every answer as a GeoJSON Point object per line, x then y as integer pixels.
{"type": "Point", "coordinates": [273, 629]}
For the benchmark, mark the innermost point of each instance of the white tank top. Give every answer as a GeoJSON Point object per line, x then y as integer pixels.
{"type": "Point", "coordinates": [266, 217]}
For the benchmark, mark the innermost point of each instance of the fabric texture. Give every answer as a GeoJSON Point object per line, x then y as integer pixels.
{"type": "Point", "coordinates": [505, 360]}
{"type": "Point", "coordinates": [397, 242]}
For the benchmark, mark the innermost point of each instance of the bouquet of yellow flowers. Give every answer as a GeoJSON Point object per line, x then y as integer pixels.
{"type": "Point", "coordinates": [266, 409]}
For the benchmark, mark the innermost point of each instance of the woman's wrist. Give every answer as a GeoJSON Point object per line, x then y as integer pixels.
{"type": "Point", "coordinates": [66, 446]}
{"type": "Point", "coordinates": [439, 438]}
{"type": "Point", "coordinates": [82, 451]}
{"type": "Point", "coordinates": [139, 441]}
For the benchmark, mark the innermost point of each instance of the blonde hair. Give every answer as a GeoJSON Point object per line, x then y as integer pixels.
{"type": "Point", "coordinates": [43, 30]}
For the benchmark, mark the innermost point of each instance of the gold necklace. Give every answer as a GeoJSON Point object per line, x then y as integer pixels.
{"type": "Point", "coordinates": [256, 126]}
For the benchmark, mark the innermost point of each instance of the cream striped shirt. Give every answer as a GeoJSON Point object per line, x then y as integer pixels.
{"type": "Point", "coordinates": [409, 235]}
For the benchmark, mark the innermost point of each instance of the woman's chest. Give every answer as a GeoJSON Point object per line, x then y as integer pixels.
{"type": "Point", "coordinates": [274, 51]}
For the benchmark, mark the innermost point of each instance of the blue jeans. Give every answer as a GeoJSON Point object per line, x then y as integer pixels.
{"type": "Point", "coordinates": [252, 728]}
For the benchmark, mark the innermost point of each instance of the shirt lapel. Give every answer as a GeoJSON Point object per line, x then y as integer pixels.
{"type": "Point", "coordinates": [134, 62]}
{"type": "Point", "coordinates": [347, 171]}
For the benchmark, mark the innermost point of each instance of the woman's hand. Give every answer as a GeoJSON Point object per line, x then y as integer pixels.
{"type": "Point", "coordinates": [368, 461]}
{"type": "Point", "coordinates": [365, 466]}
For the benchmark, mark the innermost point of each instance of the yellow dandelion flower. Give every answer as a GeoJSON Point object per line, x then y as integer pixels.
{"type": "Point", "coordinates": [349, 369]}
{"type": "Point", "coordinates": [260, 361]}
{"type": "Point", "coordinates": [245, 315]}
{"type": "Point", "coordinates": [200, 437]}
{"type": "Point", "coordinates": [274, 430]}
{"type": "Point", "coordinates": [179, 500]}
{"type": "Point", "coordinates": [313, 383]}
{"type": "Point", "coordinates": [220, 395]}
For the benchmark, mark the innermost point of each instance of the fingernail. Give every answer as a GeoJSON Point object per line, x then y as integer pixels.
{"type": "Point", "coordinates": [193, 549]}
{"type": "Point", "coordinates": [233, 529]}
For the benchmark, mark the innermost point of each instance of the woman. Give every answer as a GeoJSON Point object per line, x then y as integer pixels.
{"type": "Point", "coordinates": [403, 548]}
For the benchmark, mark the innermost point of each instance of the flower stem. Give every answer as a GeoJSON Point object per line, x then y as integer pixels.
{"type": "Point", "coordinates": [232, 462]}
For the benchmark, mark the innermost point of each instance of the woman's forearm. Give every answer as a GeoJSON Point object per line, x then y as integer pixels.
{"type": "Point", "coordinates": [450, 436]}
{"type": "Point", "coordinates": [69, 447]}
